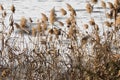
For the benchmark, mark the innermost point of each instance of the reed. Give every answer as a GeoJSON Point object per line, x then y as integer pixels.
{"type": "Point", "coordinates": [63, 11]}
{"type": "Point", "coordinates": [23, 22]}
{"type": "Point", "coordinates": [63, 53]}
{"type": "Point", "coordinates": [13, 8]}
{"type": "Point", "coordinates": [89, 8]}
{"type": "Point", "coordinates": [1, 7]}
{"type": "Point", "coordinates": [103, 4]}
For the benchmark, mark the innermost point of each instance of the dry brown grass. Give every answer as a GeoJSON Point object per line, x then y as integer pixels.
{"type": "Point", "coordinates": [62, 53]}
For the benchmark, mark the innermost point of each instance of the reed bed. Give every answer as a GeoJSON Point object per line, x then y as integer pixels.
{"type": "Point", "coordinates": [48, 51]}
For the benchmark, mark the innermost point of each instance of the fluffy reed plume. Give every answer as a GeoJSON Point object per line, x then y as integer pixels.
{"type": "Point", "coordinates": [63, 11]}
{"type": "Point", "coordinates": [69, 7]}
{"type": "Point", "coordinates": [118, 20]}
{"type": "Point", "coordinates": [1, 7]}
{"type": "Point", "coordinates": [23, 22]}
{"type": "Point", "coordinates": [33, 31]}
{"type": "Point", "coordinates": [103, 4]}
{"type": "Point", "coordinates": [61, 23]}
{"type": "Point", "coordinates": [52, 16]}
{"type": "Point", "coordinates": [4, 14]}
{"type": "Point", "coordinates": [94, 1]}
{"type": "Point", "coordinates": [86, 26]}
{"type": "Point", "coordinates": [92, 22]}
{"type": "Point", "coordinates": [13, 8]}
{"type": "Point", "coordinates": [89, 8]}
{"type": "Point", "coordinates": [111, 6]}
{"type": "Point", "coordinates": [116, 3]}
{"type": "Point", "coordinates": [44, 17]}
{"type": "Point", "coordinates": [39, 27]}
{"type": "Point", "coordinates": [109, 15]}
{"type": "Point", "coordinates": [107, 23]}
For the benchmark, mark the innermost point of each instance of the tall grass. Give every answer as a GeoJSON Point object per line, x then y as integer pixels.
{"type": "Point", "coordinates": [49, 52]}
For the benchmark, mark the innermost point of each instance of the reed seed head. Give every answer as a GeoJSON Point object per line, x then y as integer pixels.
{"type": "Point", "coordinates": [89, 8]}
{"type": "Point", "coordinates": [23, 22]}
{"type": "Point", "coordinates": [92, 22]}
{"type": "Point", "coordinates": [111, 6]}
{"type": "Point", "coordinates": [103, 4]}
{"type": "Point", "coordinates": [63, 11]}
{"type": "Point", "coordinates": [1, 7]}
{"type": "Point", "coordinates": [94, 1]}
{"type": "Point", "coordinates": [4, 14]}
{"type": "Point", "coordinates": [52, 16]}
{"type": "Point", "coordinates": [50, 31]}
{"type": "Point", "coordinates": [13, 8]}
{"type": "Point", "coordinates": [44, 17]}
{"type": "Point", "coordinates": [69, 7]}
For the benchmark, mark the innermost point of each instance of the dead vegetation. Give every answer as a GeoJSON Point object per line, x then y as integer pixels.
{"type": "Point", "coordinates": [60, 52]}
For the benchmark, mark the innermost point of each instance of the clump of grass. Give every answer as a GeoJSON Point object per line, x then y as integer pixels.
{"type": "Point", "coordinates": [60, 54]}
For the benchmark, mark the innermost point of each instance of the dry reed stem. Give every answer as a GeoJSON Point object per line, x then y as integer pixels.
{"type": "Point", "coordinates": [69, 7]}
